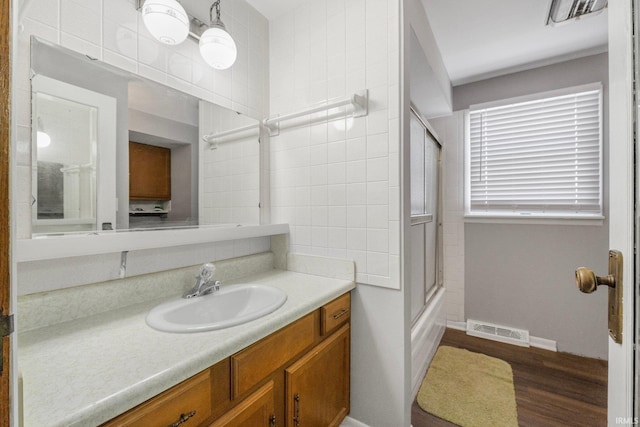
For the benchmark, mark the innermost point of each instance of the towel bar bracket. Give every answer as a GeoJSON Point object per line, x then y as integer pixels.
{"type": "Point", "coordinates": [360, 101]}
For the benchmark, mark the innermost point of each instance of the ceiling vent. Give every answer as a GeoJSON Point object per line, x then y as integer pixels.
{"type": "Point", "coordinates": [561, 11]}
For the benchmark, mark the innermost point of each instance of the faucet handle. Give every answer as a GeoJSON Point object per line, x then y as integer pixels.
{"type": "Point", "coordinates": [206, 271]}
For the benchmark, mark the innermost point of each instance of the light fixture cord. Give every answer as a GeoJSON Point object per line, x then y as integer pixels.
{"type": "Point", "coordinates": [215, 5]}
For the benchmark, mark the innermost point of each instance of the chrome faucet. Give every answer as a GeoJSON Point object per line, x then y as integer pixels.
{"type": "Point", "coordinates": [204, 283]}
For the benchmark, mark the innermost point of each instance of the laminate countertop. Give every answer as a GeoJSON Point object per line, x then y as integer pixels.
{"type": "Point", "coordinates": [87, 371]}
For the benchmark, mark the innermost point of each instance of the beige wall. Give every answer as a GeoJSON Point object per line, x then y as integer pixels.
{"type": "Point", "coordinates": [522, 275]}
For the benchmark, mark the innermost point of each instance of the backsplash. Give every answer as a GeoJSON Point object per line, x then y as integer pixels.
{"type": "Point", "coordinates": [48, 308]}
{"type": "Point", "coordinates": [48, 275]}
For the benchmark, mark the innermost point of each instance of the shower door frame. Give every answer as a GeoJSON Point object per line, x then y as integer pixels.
{"type": "Point", "coordinates": [431, 137]}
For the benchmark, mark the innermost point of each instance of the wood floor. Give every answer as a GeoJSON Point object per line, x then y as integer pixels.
{"type": "Point", "coordinates": [552, 389]}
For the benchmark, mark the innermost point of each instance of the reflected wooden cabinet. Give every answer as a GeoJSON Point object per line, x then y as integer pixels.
{"type": "Point", "coordinates": [149, 172]}
{"type": "Point", "coordinates": [296, 377]}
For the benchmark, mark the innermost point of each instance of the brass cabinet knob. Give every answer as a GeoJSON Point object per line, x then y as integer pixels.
{"type": "Point", "coordinates": [588, 282]}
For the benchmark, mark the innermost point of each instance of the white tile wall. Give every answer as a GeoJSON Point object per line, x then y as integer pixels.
{"type": "Point", "coordinates": [113, 31]}
{"type": "Point", "coordinates": [337, 182]}
{"type": "Point", "coordinates": [229, 186]}
{"type": "Point", "coordinates": [450, 130]}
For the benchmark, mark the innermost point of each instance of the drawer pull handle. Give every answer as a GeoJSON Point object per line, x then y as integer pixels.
{"type": "Point", "coordinates": [340, 313]}
{"type": "Point", "coordinates": [183, 419]}
{"type": "Point", "coordinates": [296, 410]}
{"type": "Point", "coordinates": [272, 421]}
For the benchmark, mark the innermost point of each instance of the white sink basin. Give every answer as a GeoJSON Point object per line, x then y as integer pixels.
{"type": "Point", "coordinates": [231, 305]}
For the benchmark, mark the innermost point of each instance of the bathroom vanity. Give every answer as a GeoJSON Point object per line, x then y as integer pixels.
{"type": "Point", "coordinates": [286, 368]}
{"type": "Point", "coordinates": [299, 374]}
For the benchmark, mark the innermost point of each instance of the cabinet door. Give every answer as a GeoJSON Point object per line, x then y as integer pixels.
{"type": "Point", "coordinates": [149, 172]}
{"type": "Point", "coordinates": [317, 385]}
{"type": "Point", "coordinates": [257, 410]}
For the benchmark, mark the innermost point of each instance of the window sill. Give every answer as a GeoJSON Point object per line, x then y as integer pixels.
{"type": "Point", "coordinates": [531, 220]}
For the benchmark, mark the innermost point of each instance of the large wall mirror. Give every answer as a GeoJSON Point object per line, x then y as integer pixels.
{"type": "Point", "coordinates": [114, 151]}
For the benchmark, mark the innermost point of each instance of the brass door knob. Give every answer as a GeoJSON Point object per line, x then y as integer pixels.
{"type": "Point", "coordinates": [588, 282]}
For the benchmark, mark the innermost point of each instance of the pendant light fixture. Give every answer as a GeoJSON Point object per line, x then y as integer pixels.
{"type": "Point", "coordinates": [166, 20]}
{"type": "Point", "coordinates": [216, 45]}
{"type": "Point", "coordinates": [42, 138]}
{"type": "Point", "coordinates": [561, 11]}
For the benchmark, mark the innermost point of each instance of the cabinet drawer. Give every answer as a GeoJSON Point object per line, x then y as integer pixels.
{"type": "Point", "coordinates": [252, 365]}
{"type": "Point", "coordinates": [189, 400]}
{"type": "Point", "coordinates": [335, 313]}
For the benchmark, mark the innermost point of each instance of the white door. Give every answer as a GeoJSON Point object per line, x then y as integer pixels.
{"type": "Point", "coordinates": [622, 188]}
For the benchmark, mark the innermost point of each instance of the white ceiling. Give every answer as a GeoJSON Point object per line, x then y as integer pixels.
{"type": "Point", "coordinates": [483, 39]}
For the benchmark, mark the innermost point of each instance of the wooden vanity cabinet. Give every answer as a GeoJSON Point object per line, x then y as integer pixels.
{"type": "Point", "coordinates": [297, 376]}
{"type": "Point", "coordinates": [318, 384]}
{"type": "Point", "coordinates": [149, 172]}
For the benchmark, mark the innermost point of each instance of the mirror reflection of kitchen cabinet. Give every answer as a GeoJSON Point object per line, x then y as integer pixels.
{"type": "Point", "coordinates": [149, 172]}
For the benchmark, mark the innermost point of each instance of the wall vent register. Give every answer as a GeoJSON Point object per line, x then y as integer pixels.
{"type": "Point", "coordinates": [498, 333]}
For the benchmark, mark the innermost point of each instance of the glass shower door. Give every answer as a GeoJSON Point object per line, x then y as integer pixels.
{"type": "Point", "coordinates": [425, 215]}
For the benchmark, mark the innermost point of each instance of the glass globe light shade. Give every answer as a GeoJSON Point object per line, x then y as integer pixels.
{"type": "Point", "coordinates": [43, 139]}
{"type": "Point", "coordinates": [218, 48]}
{"type": "Point", "coordinates": [166, 20]}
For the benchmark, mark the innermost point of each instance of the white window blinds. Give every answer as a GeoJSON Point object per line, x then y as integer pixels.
{"type": "Point", "coordinates": [537, 157]}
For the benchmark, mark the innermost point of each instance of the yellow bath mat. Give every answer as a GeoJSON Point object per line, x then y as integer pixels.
{"type": "Point", "coordinates": [469, 389]}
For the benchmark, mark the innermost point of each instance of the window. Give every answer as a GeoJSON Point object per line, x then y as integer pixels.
{"type": "Point", "coordinates": [538, 156]}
